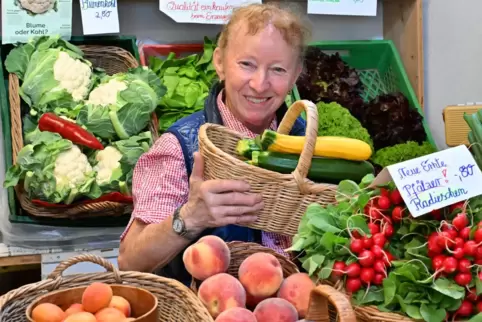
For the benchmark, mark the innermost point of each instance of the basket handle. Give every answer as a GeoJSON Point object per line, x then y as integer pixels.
{"type": "Point", "coordinates": [57, 272]}
{"type": "Point", "coordinates": [304, 164]}
{"type": "Point", "coordinates": [318, 309]}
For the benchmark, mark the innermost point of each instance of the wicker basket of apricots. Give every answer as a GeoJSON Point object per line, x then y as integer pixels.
{"type": "Point", "coordinates": [247, 282]}
{"type": "Point", "coordinates": [110, 296]}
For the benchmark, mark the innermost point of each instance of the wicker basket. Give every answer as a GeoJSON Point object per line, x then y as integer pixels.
{"type": "Point", "coordinates": [112, 60]}
{"type": "Point", "coordinates": [175, 301]}
{"type": "Point", "coordinates": [285, 196]}
{"type": "Point", "coordinates": [327, 304]}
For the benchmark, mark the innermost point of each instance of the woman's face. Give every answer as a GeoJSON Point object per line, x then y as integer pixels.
{"type": "Point", "coordinates": [259, 71]}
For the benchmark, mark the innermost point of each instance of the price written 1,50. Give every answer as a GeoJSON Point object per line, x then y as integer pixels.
{"type": "Point", "coordinates": [103, 14]}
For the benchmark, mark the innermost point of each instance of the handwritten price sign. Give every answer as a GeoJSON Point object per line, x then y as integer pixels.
{"type": "Point", "coordinates": [343, 7]}
{"type": "Point", "coordinates": [99, 16]}
{"type": "Point", "coordinates": [436, 180]}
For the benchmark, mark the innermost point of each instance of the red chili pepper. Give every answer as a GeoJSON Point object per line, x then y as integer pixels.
{"type": "Point", "coordinates": [113, 196]}
{"type": "Point", "coordinates": [69, 130]}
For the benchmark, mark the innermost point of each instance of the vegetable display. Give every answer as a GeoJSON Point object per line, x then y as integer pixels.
{"type": "Point", "coordinates": [426, 268]}
{"type": "Point", "coordinates": [84, 130]}
{"type": "Point", "coordinates": [474, 121]}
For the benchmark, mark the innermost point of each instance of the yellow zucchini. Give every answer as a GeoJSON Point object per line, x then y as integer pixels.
{"type": "Point", "coordinates": [326, 146]}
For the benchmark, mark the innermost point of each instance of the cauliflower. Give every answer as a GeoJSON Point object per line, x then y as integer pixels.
{"type": "Point", "coordinates": [106, 94]}
{"type": "Point", "coordinates": [38, 6]}
{"type": "Point", "coordinates": [71, 167]}
{"type": "Point", "coordinates": [107, 162]}
{"type": "Point", "coordinates": [72, 75]}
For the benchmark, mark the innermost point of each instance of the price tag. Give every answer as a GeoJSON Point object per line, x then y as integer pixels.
{"type": "Point", "coordinates": [99, 16]}
{"type": "Point", "coordinates": [202, 11]}
{"type": "Point", "coordinates": [24, 19]}
{"type": "Point", "coordinates": [343, 7]}
{"type": "Point", "coordinates": [436, 180]}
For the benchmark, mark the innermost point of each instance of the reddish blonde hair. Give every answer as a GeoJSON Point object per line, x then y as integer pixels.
{"type": "Point", "coordinates": [295, 30]}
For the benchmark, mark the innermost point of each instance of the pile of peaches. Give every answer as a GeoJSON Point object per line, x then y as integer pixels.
{"type": "Point", "coordinates": [260, 293]}
{"type": "Point", "coordinates": [98, 305]}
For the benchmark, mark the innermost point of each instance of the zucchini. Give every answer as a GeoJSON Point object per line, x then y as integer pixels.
{"type": "Point", "coordinates": [325, 170]}
{"type": "Point", "coordinates": [326, 146]}
{"type": "Point", "coordinates": [245, 147]}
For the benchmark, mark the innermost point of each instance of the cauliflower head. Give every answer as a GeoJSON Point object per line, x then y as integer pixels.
{"type": "Point", "coordinates": [106, 94]}
{"type": "Point", "coordinates": [38, 6]}
{"type": "Point", "coordinates": [108, 161]}
{"type": "Point", "coordinates": [73, 75]}
{"type": "Point", "coordinates": [71, 168]}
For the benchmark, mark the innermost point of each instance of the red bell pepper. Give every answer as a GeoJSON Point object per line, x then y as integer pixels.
{"type": "Point", "coordinates": [113, 196]}
{"type": "Point", "coordinates": [68, 130]}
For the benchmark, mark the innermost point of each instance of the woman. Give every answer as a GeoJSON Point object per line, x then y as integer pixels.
{"type": "Point", "coordinates": [258, 60]}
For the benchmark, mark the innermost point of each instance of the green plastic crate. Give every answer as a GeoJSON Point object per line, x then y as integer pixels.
{"type": "Point", "coordinates": [380, 68]}
{"type": "Point", "coordinates": [17, 214]}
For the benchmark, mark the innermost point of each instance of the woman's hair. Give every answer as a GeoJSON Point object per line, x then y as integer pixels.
{"type": "Point", "coordinates": [295, 30]}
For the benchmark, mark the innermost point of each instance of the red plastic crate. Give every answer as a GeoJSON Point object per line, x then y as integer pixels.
{"type": "Point", "coordinates": [181, 50]}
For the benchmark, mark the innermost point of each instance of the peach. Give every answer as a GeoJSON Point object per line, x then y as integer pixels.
{"type": "Point", "coordinates": [120, 303]}
{"type": "Point", "coordinates": [261, 275]}
{"type": "Point", "coordinates": [47, 312]}
{"type": "Point", "coordinates": [296, 289]}
{"type": "Point", "coordinates": [236, 314]}
{"type": "Point", "coordinates": [96, 297]}
{"type": "Point", "coordinates": [275, 310]}
{"type": "Point", "coordinates": [81, 317]}
{"type": "Point", "coordinates": [220, 293]}
{"type": "Point", "coordinates": [74, 308]}
{"type": "Point", "coordinates": [109, 314]}
{"type": "Point", "coordinates": [207, 257]}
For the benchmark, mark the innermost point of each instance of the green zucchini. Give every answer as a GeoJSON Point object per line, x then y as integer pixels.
{"type": "Point", "coordinates": [245, 147]}
{"type": "Point", "coordinates": [323, 170]}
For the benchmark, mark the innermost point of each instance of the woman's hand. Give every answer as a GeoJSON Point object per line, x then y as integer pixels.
{"type": "Point", "coordinates": [216, 203]}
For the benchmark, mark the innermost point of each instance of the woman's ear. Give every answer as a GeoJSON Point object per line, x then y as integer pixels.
{"type": "Point", "coordinates": [218, 63]}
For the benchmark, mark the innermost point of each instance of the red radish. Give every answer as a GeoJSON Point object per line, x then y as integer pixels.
{"type": "Point", "coordinates": [353, 270]}
{"type": "Point", "coordinates": [383, 203]}
{"type": "Point", "coordinates": [377, 251]}
{"type": "Point", "coordinates": [472, 295]}
{"type": "Point", "coordinates": [479, 306]}
{"type": "Point", "coordinates": [478, 252]}
{"type": "Point", "coordinates": [470, 248]}
{"type": "Point", "coordinates": [465, 309]}
{"type": "Point", "coordinates": [444, 240]}
{"type": "Point", "coordinates": [378, 279]}
{"type": "Point", "coordinates": [387, 258]}
{"type": "Point", "coordinates": [459, 242]}
{"type": "Point", "coordinates": [478, 235]}
{"type": "Point", "coordinates": [480, 276]}
{"type": "Point", "coordinates": [396, 197]}
{"type": "Point", "coordinates": [375, 214]}
{"type": "Point", "coordinates": [433, 246]}
{"type": "Point", "coordinates": [374, 228]}
{"type": "Point", "coordinates": [353, 284]}
{"type": "Point", "coordinates": [384, 192]}
{"type": "Point", "coordinates": [367, 274]}
{"type": "Point", "coordinates": [438, 262]}
{"type": "Point", "coordinates": [478, 261]}
{"type": "Point", "coordinates": [465, 233]}
{"type": "Point", "coordinates": [379, 240]}
{"type": "Point", "coordinates": [367, 242]}
{"type": "Point", "coordinates": [452, 233]}
{"type": "Point", "coordinates": [464, 265]}
{"type": "Point", "coordinates": [356, 234]}
{"type": "Point", "coordinates": [356, 246]}
{"type": "Point", "coordinates": [366, 258]}
{"type": "Point", "coordinates": [338, 269]}
{"type": "Point", "coordinates": [450, 265]}
{"type": "Point", "coordinates": [388, 230]}
{"type": "Point", "coordinates": [460, 221]}
{"type": "Point", "coordinates": [458, 253]}
{"type": "Point", "coordinates": [379, 267]}
{"type": "Point", "coordinates": [455, 206]}
{"type": "Point", "coordinates": [436, 214]}
{"type": "Point", "coordinates": [397, 214]}
{"type": "Point", "coordinates": [463, 279]}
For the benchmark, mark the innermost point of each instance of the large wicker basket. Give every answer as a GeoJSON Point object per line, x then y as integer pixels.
{"type": "Point", "coordinates": [112, 60]}
{"type": "Point", "coordinates": [327, 304]}
{"type": "Point", "coordinates": [176, 302]}
{"type": "Point", "coordinates": [285, 196]}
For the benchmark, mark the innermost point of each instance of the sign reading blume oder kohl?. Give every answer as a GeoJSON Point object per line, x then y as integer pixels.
{"type": "Point", "coordinates": [25, 19]}
{"type": "Point", "coordinates": [99, 16]}
{"type": "Point", "coordinates": [436, 180]}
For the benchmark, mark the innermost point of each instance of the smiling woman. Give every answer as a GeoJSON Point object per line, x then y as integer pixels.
{"type": "Point", "coordinates": [258, 60]}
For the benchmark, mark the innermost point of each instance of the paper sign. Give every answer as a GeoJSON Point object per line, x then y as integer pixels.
{"type": "Point", "coordinates": [343, 7]}
{"type": "Point", "coordinates": [205, 12]}
{"type": "Point", "coordinates": [24, 19]}
{"type": "Point", "coordinates": [99, 16]}
{"type": "Point", "coordinates": [436, 180]}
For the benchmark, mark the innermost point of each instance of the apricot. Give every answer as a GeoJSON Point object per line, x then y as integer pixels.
{"type": "Point", "coordinates": [236, 314]}
{"type": "Point", "coordinates": [120, 303]}
{"type": "Point", "coordinates": [96, 297]}
{"type": "Point", "coordinates": [207, 257]}
{"type": "Point", "coordinates": [220, 293]}
{"type": "Point", "coordinates": [296, 289]}
{"type": "Point", "coordinates": [81, 317]}
{"type": "Point", "coordinates": [47, 312]}
{"type": "Point", "coordinates": [275, 310]}
{"type": "Point", "coordinates": [261, 275]}
{"type": "Point", "coordinates": [74, 308]}
{"type": "Point", "coordinates": [109, 314]}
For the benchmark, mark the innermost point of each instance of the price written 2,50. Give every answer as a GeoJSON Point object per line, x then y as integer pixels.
{"type": "Point", "coordinates": [103, 14]}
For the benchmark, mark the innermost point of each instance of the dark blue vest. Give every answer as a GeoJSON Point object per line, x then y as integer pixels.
{"type": "Point", "coordinates": [186, 130]}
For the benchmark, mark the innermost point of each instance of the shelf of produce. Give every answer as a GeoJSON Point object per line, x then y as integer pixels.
{"type": "Point", "coordinates": [17, 215]}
